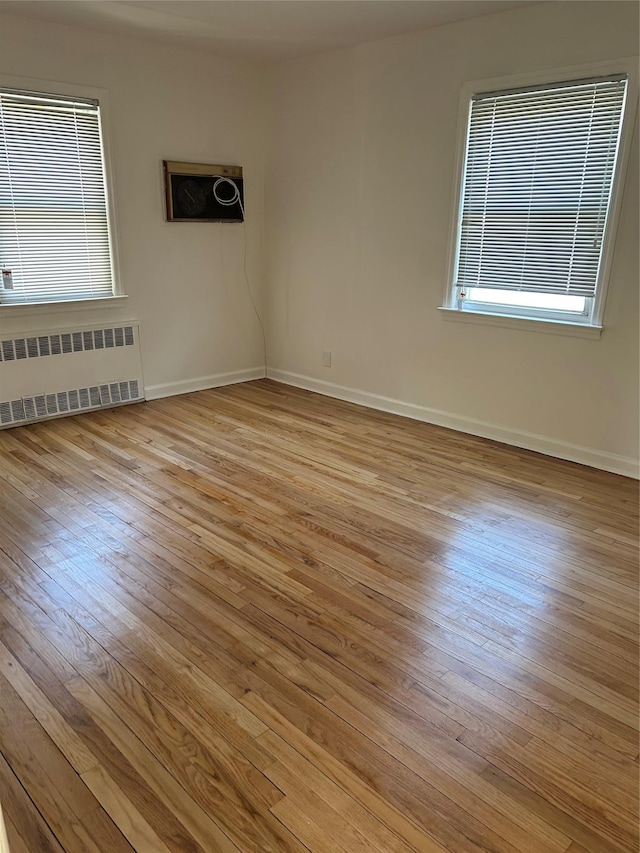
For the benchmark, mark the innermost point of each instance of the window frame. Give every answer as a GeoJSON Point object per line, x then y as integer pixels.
{"type": "Point", "coordinates": [118, 295]}
{"type": "Point", "coordinates": [558, 322]}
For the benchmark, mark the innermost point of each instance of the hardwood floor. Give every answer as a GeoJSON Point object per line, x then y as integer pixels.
{"type": "Point", "coordinates": [256, 619]}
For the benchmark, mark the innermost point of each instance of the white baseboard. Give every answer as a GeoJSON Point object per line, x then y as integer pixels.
{"type": "Point", "coordinates": [201, 383]}
{"type": "Point", "coordinates": [624, 465]}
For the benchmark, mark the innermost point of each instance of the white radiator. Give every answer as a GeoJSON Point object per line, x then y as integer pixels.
{"type": "Point", "coordinates": [67, 371]}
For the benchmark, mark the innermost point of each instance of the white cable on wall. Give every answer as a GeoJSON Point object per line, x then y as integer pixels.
{"type": "Point", "coordinates": [229, 202]}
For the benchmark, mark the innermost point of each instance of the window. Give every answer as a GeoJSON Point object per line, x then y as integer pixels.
{"type": "Point", "coordinates": [54, 219]}
{"type": "Point", "coordinates": [535, 217]}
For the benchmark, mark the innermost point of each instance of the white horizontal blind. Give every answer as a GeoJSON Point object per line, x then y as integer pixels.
{"type": "Point", "coordinates": [54, 230]}
{"type": "Point", "coordinates": [537, 185]}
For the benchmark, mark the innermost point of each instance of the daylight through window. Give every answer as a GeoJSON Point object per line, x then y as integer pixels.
{"type": "Point", "coordinates": [535, 197]}
{"type": "Point", "coordinates": [54, 224]}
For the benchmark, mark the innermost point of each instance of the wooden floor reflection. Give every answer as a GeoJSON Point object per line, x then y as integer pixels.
{"type": "Point", "coordinates": [257, 619]}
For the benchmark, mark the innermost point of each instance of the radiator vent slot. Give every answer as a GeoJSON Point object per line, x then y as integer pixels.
{"type": "Point", "coordinates": [36, 368]}
{"type": "Point", "coordinates": [59, 344]}
{"type": "Point", "coordinates": [13, 412]}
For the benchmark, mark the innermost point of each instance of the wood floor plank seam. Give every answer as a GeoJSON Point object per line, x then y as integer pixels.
{"type": "Point", "coordinates": [258, 620]}
{"type": "Point", "coordinates": [35, 829]}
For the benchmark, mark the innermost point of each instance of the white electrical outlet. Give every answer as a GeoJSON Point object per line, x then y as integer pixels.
{"type": "Point", "coordinates": [326, 358]}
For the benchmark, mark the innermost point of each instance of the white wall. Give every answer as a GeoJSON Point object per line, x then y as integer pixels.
{"type": "Point", "coordinates": [361, 153]}
{"type": "Point", "coordinates": [185, 282]}
{"type": "Point", "coordinates": [343, 271]}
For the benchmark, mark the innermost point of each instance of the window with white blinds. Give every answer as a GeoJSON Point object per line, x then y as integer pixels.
{"type": "Point", "coordinates": [535, 197]}
{"type": "Point", "coordinates": [54, 223]}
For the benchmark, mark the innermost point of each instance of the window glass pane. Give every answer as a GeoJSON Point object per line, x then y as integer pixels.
{"type": "Point", "coordinates": [54, 228]}
{"type": "Point", "coordinates": [537, 185]}
{"type": "Point", "coordinates": [543, 301]}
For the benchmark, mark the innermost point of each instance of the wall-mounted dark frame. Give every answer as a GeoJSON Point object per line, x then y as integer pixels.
{"type": "Point", "coordinates": [189, 192]}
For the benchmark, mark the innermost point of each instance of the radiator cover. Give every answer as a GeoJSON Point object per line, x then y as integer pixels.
{"type": "Point", "coordinates": [66, 371]}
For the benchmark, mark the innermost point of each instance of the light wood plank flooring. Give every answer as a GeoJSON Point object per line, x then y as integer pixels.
{"type": "Point", "coordinates": [256, 619]}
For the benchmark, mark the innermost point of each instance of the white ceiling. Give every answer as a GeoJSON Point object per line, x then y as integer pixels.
{"type": "Point", "coordinates": [258, 30]}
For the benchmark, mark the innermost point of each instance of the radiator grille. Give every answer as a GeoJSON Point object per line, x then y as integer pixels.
{"type": "Point", "coordinates": [13, 412]}
{"type": "Point", "coordinates": [57, 344]}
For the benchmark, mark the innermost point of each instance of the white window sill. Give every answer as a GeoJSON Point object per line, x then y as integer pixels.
{"type": "Point", "coordinates": [74, 306]}
{"type": "Point", "coordinates": [527, 324]}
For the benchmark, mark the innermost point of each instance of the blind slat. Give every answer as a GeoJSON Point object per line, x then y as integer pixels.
{"type": "Point", "coordinates": [537, 184]}
{"type": "Point", "coordinates": [54, 227]}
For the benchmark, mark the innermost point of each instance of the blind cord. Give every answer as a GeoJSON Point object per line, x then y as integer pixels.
{"type": "Point", "coordinates": [229, 202]}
